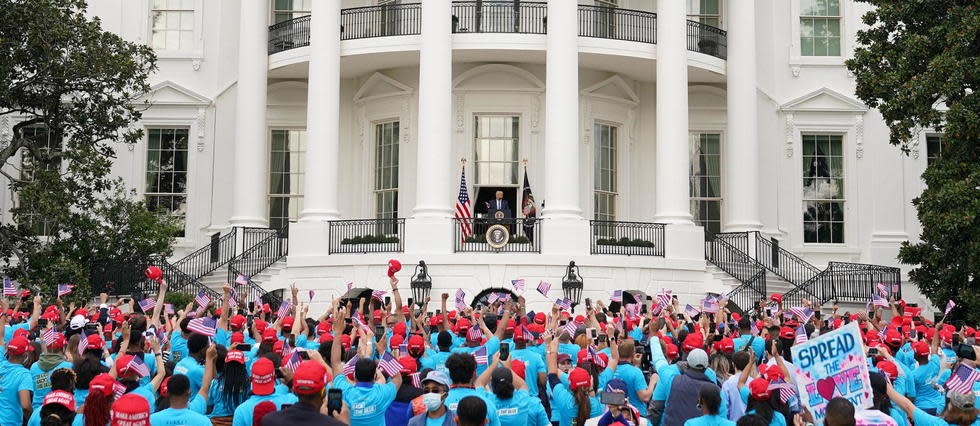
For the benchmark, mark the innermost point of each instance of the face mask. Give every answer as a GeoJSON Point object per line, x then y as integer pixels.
{"type": "Point", "coordinates": [432, 401]}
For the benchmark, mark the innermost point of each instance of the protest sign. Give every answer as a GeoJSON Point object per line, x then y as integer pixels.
{"type": "Point", "coordinates": [832, 365]}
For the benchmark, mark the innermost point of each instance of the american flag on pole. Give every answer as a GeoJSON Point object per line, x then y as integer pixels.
{"type": "Point", "coordinates": [474, 334]}
{"type": "Point", "coordinates": [481, 356]}
{"type": "Point", "coordinates": [284, 309]}
{"type": "Point", "coordinates": [949, 307]}
{"type": "Point", "coordinates": [9, 289]}
{"type": "Point", "coordinates": [137, 366]}
{"type": "Point", "coordinates": [691, 311]}
{"type": "Point", "coordinates": [962, 379]}
{"type": "Point", "coordinates": [664, 297]}
{"type": "Point", "coordinates": [594, 356]}
{"type": "Point", "coordinates": [233, 299]}
{"type": "Point", "coordinates": [350, 285]}
{"type": "Point", "coordinates": [82, 342]}
{"type": "Point", "coordinates": [147, 305]}
{"type": "Point", "coordinates": [64, 289]}
{"type": "Point", "coordinates": [786, 390]}
{"type": "Point", "coordinates": [882, 333]}
{"type": "Point", "coordinates": [118, 390]}
{"type": "Point", "coordinates": [882, 289]}
{"type": "Point", "coordinates": [493, 298]}
{"type": "Point", "coordinates": [879, 301]}
{"type": "Point", "coordinates": [804, 313]}
{"type": "Point", "coordinates": [206, 326]}
{"type": "Point", "coordinates": [202, 298]}
{"type": "Point", "coordinates": [617, 296]}
{"type": "Point", "coordinates": [544, 287]}
{"type": "Point", "coordinates": [526, 334]}
{"type": "Point", "coordinates": [463, 212]}
{"type": "Point", "coordinates": [241, 279]}
{"type": "Point", "coordinates": [416, 380]}
{"type": "Point", "coordinates": [460, 295]}
{"type": "Point", "coordinates": [710, 306]}
{"type": "Point", "coordinates": [49, 336]}
{"type": "Point", "coordinates": [312, 294]}
{"type": "Point", "coordinates": [389, 364]}
{"type": "Point", "coordinates": [294, 360]}
{"type": "Point", "coordinates": [518, 284]}
{"type": "Point", "coordinates": [801, 335]}
{"type": "Point", "coordinates": [570, 327]}
{"type": "Point", "coordinates": [356, 319]}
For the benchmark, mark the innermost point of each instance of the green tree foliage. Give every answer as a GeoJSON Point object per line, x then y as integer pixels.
{"type": "Point", "coordinates": [70, 88]}
{"type": "Point", "coordinates": [919, 64]}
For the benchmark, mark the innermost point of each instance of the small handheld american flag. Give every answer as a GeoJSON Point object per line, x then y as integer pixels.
{"type": "Point", "coordinates": [118, 390]}
{"type": "Point", "coordinates": [527, 334]}
{"type": "Point", "coordinates": [879, 301]}
{"type": "Point", "coordinates": [460, 295]}
{"type": "Point", "coordinates": [801, 335]}
{"type": "Point", "coordinates": [137, 366]}
{"type": "Point", "coordinates": [241, 279]}
{"type": "Point", "coordinates": [882, 289]}
{"type": "Point", "coordinates": [9, 289]}
{"type": "Point", "coordinates": [594, 356]}
{"type": "Point", "coordinates": [481, 356]}
{"type": "Point", "coordinates": [786, 390]}
{"type": "Point", "coordinates": [570, 327]}
{"type": "Point", "coordinates": [147, 305]}
{"type": "Point", "coordinates": [493, 298]}
{"type": "Point", "coordinates": [82, 342]}
{"type": "Point", "coordinates": [804, 313]}
{"type": "Point", "coordinates": [949, 307]}
{"type": "Point", "coordinates": [312, 294]}
{"type": "Point", "coordinates": [544, 287]}
{"type": "Point", "coordinates": [284, 308]}
{"type": "Point", "coordinates": [49, 336]}
{"type": "Point", "coordinates": [563, 303]}
{"type": "Point", "coordinates": [206, 326]}
{"type": "Point", "coordinates": [349, 366]}
{"type": "Point", "coordinates": [378, 294]}
{"type": "Point", "coordinates": [416, 380]}
{"type": "Point", "coordinates": [617, 296]}
{"type": "Point", "coordinates": [202, 298]}
{"type": "Point", "coordinates": [294, 360]}
{"type": "Point", "coordinates": [350, 285]}
{"type": "Point", "coordinates": [389, 364]}
{"type": "Point", "coordinates": [664, 297]}
{"type": "Point", "coordinates": [691, 311]}
{"type": "Point", "coordinates": [518, 284]}
{"type": "Point", "coordinates": [962, 379]}
{"type": "Point", "coordinates": [64, 289]}
{"type": "Point", "coordinates": [474, 334]}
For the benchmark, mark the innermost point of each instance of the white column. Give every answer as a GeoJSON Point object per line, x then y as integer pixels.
{"type": "Point", "coordinates": [434, 189]}
{"type": "Point", "coordinates": [742, 140]}
{"type": "Point", "coordinates": [562, 114]}
{"type": "Point", "coordinates": [430, 230]}
{"type": "Point", "coordinates": [251, 171]}
{"type": "Point", "coordinates": [672, 162]}
{"type": "Point", "coordinates": [323, 115]}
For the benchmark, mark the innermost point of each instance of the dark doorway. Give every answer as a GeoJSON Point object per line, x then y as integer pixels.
{"type": "Point", "coordinates": [484, 194]}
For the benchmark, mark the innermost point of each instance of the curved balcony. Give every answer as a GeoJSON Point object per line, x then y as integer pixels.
{"type": "Point", "coordinates": [498, 17]}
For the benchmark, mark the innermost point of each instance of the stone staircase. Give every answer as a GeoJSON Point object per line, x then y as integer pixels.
{"type": "Point", "coordinates": [269, 278]}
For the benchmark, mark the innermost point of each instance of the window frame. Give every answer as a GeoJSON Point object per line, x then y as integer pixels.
{"type": "Point", "coordinates": [516, 141]}
{"type": "Point", "coordinates": [195, 47]}
{"type": "Point", "coordinates": [46, 226]}
{"type": "Point", "coordinates": [301, 173]}
{"type": "Point", "coordinates": [296, 13]}
{"type": "Point", "coordinates": [147, 129]}
{"type": "Point", "coordinates": [613, 193]}
{"type": "Point", "coordinates": [847, 43]}
{"type": "Point", "coordinates": [720, 199]}
{"type": "Point", "coordinates": [697, 17]}
{"type": "Point", "coordinates": [380, 193]}
{"type": "Point", "coordinates": [930, 158]}
{"type": "Point", "coordinates": [845, 190]}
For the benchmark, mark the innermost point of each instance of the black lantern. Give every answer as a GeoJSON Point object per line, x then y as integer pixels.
{"type": "Point", "coordinates": [421, 283]}
{"type": "Point", "coordinates": [572, 284]}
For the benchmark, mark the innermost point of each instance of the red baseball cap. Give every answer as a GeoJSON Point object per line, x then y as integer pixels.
{"type": "Point", "coordinates": [323, 327]}
{"type": "Point", "coordinates": [776, 297]}
{"type": "Point", "coordinates": [269, 335]}
{"type": "Point", "coordinates": [287, 323]}
{"type": "Point", "coordinates": [266, 308]}
{"type": "Point", "coordinates": [102, 383]}
{"type": "Point", "coordinates": [131, 410]}
{"type": "Point", "coordinates": [518, 367]}
{"type": "Point", "coordinates": [416, 342]}
{"type": "Point", "coordinates": [310, 378]}
{"type": "Point", "coordinates": [399, 329]}
{"type": "Point", "coordinates": [395, 341]}
{"type": "Point", "coordinates": [787, 333]}
{"type": "Point", "coordinates": [238, 337]}
{"type": "Point", "coordinates": [759, 389]}
{"type": "Point", "coordinates": [920, 348]}
{"type": "Point", "coordinates": [725, 345]}
{"type": "Point", "coordinates": [260, 325]}
{"type": "Point", "coordinates": [164, 386]}
{"type": "Point", "coordinates": [122, 366]}
{"type": "Point", "coordinates": [237, 321]}
{"type": "Point", "coordinates": [693, 341]}
{"type": "Point", "coordinates": [325, 337]}
{"type": "Point", "coordinates": [264, 377]}
{"type": "Point", "coordinates": [394, 266]}
{"type": "Point", "coordinates": [583, 356]}
{"type": "Point", "coordinates": [540, 318]}
{"type": "Point", "coordinates": [672, 351]}
{"type": "Point", "coordinates": [378, 315]}
{"type": "Point", "coordinates": [462, 324]}
{"type": "Point", "coordinates": [278, 346]}
{"type": "Point", "coordinates": [61, 397]}
{"type": "Point", "coordinates": [511, 325]}
{"type": "Point", "coordinates": [888, 368]}
{"type": "Point", "coordinates": [58, 342]}
{"type": "Point", "coordinates": [235, 356]}
{"type": "Point", "coordinates": [578, 377]}
{"type": "Point", "coordinates": [893, 337]}
{"type": "Point", "coordinates": [409, 365]}
{"type": "Point", "coordinates": [19, 345]}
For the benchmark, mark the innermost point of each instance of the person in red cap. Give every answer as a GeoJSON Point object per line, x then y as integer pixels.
{"type": "Point", "coordinates": [16, 383]}
{"type": "Point", "coordinates": [58, 407]}
{"type": "Point", "coordinates": [263, 392]}
{"type": "Point", "coordinates": [131, 377]}
{"type": "Point", "coordinates": [130, 410]}
{"type": "Point", "coordinates": [762, 403]}
{"type": "Point", "coordinates": [535, 371]}
{"type": "Point", "coordinates": [52, 359]}
{"type": "Point", "coordinates": [309, 382]}
{"type": "Point", "coordinates": [924, 375]}
{"type": "Point", "coordinates": [370, 391]}
{"type": "Point", "coordinates": [567, 397]}
{"type": "Point", "coordinates": [400, 410]}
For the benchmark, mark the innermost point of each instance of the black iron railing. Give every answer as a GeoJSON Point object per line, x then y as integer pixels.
{"type": "Point", "coordinates": [499, 17]}
{"type": "Point", "coordinates": [367, 236]}
{"type": "Point", "coordinates": [741, 266]}
{"type": "Point", "coordinates": [212, 256]}
{"type": "Point", "coordinates": [289, 34]}
{"type": "Point", "coordinates": [617, 23]}
{"type": "Point", "coordinates": [118, 276]}
{"type": "Point", "coordinates": [704, 38]}
{"type": "Point", "coordinates": [381, 21]}
{"type": "Point", "coordinates": [256, 259]}
{"type": "Point", "coordinates": [470, 235]}
{"type": "Point", "coordinates": [782, 262]}
{"type": "Point", "coordinates": [629, 238]}
{"type": "Point", "coordinates": [849, 282]}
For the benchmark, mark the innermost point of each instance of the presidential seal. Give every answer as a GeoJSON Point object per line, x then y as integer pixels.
{"type": "Point", "coordinates": [497, 236]}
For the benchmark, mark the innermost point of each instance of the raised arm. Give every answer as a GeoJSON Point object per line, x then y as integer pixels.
{"type": "Point", "coordinates": [335, 348]}
{"type": "Point", "coordinates": [397, 297]}
{"type": "Point", "coordinates": [155, 312]}
{"type": "Point", "coordinates": [225, 307]}
{"type": "Point", "coordinates": [161, 369]}
{"type": "Point", "coordinates": [210, 356]}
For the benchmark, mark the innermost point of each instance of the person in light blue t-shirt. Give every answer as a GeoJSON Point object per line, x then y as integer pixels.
{"type": "Point", "coordinates": [709, 399]}
{"type": "Point", "coordinates": [178, 393]}
{"type": "Point", "coordinates": [370, 395]}
{"type": "Point", "coordinates": [15, 382]}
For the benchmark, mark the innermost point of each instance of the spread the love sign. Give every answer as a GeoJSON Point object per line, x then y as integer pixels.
{"type": "Point", "coordinates": [832, 366]}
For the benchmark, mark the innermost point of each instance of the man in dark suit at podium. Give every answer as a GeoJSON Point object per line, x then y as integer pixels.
{"type": "Point", "coordinates": [498, 211]}
{"type": "Point", "coordinates": [499, 203]}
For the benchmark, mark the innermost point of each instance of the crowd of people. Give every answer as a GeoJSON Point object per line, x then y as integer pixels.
{"type": "Point", "coordinates": [365, 362]}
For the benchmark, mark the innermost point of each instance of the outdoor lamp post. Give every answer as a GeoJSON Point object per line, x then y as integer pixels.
{"type": "Point", "coordinates": [421, 283]}
{"type": "Point", "coordinates": [572, 284]}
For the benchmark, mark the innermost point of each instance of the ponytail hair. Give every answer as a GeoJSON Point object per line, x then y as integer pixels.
{"type": "Point", "coordinates": [56, 415]}
{"type": "Point", "coordinates": [96, 409]}
{"type": "Point", "coordinates": [584, 405]}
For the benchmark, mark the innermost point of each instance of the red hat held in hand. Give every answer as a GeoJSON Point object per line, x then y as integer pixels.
{"type": "Point", "coordinates": [154, 273]}
{"type": "Point", "coordinates": [393, 267]}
